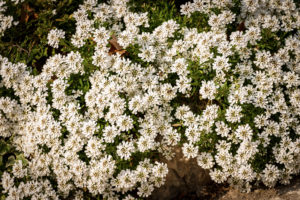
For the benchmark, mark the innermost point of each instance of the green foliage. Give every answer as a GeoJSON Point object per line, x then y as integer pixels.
{"type": "Point", "coordinates": [27, 41]}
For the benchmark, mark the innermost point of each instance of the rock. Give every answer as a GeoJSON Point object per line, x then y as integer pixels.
{"type": "Point", "coordinates": [287, 192]}
{"type": "Point", "coordinates": [187, 180]}
{"type": "Point", "coordinates": [184, 177]}
{"type": "Point", "coordinates": [290, 192]}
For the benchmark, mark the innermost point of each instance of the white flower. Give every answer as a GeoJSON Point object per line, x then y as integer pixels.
{"type": "Point", "coordinates": [211, 112]}
{"type": "Point", "coordinates": [270, 175]}
{"type": "Point", "coordinates": [263, 58]}
{"type": "Point", "coordinates": [7, 181]}
{"type": "Point", "coordinates": [54, 36]}
{"type": "Point", "coordinates": [180, 67]}
{"type": "Point", "coordinates": [295, 98]}
{"type": "Point", "coordinates": [145, 190]}
{"type": "Point", "coordinates": [218, 175]}
{"type": "Point", "coordinates": [94, 148]}
{"type": "Point", "coordinates": [136, 104]}
{"type": "Point", "coordinates": [186, 9]}
{"type": "Point", "coordinates": [183, 84]}
{"type": "Point", "coordinates": [145, 143]}
{"type": "Point", "coordinates": [189, 150]}
{"type": "Point", "coordinates": [193, 134]}
{"type": "Point", "coordinates": [160, 169]}
{"type": "Point", "coordinates": [148, 53]}
{"type": "Point", "coordinates": [125, 149]}
{"type": "Point", "coordinates": [101, 59]}
{"type": "Point", "coordinates": [101, 35]}
{"type": "Point", "coordinates": [145, 39]}
{"type": "Point", "coordinates": [181, 112]}
{"type": "Point", "coordinates": [124, 123]}
{"type": "Point", "coordinates": [141, 174]}
{"type": "Point", "coordinates": [89, 128]}
{"type": "Point", "coordinates": [244, 132]}
{"type": "Point", "coordinates": [222, 129]}
{"type": "Point", "coordinates": [233, 113]}
{"type": "Point", "coordinates": [245, 172]}
{"type": "Point", "coordinates": [18, 170]}
{"type": "Point", "coordinates": [205, 160]}
{"type": "Point", "coordinates": [208, 90]}
{"type": "Point", "coordinates": [292, 79]}
{"type": "Point", "coordinates": [168, 92]}
{"type": "Point", "coordinates": [109, 133]}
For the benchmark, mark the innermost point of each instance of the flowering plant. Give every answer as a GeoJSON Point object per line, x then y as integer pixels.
{"type": "Point", "coordinates": [221, 80]}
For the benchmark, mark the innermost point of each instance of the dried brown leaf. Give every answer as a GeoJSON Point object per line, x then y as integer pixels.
{"type": "Point", "coordinates": [115, 47]}
{"type": "Point", "coordinates": [176, 125]}
{"type": "Point", "coordinates": [26, 12]}
{"type": "Point", "coordinates": [114, 42]}
{"type": "Point", "coordinates": [241, 27]}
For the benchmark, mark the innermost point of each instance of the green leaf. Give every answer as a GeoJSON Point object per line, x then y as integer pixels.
{"type": "Point", "coordinates": [45, 52]}
{"type": "Point", "coordinates": [10, 161]}
{"type": "Point", "coordinates": [4, 147]}
{"type": "Point", "coordinates": [22, 158]}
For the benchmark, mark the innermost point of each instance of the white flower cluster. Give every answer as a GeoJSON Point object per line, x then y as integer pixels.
{"type": "Point", "coordinates": [54, 36]}
{"type": "Point", "coordinates": [17, 1]}
{"type": "Point", "coordinates": [6, 21]}
{"type": "Point", "coordinates": [31, 123]}
{"type": "Point", "coordinates": [127, 109]}
{"type": "Point", "coordinates": [269, 82]}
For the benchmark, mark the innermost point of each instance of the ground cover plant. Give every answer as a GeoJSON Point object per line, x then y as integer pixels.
{"type": "Point", "coordinates": [92, 92]}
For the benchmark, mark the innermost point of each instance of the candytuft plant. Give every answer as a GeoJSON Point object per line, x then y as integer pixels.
{"type": "Point", "coordinates": [92, 92]}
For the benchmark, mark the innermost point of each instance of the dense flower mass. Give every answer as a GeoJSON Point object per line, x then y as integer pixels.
{"type": "Point", "coordinates": [94, 122]}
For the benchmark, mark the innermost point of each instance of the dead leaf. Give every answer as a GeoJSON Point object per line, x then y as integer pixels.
{"type": "Point", "coordinates": [53, 78]}
{"type": "Point", "coordinates": [60, 20]}
{"type": "Point", "coordinates": [241, 26]}
{"type": "Point", "coordinates": [121, 52]}
{"type": "Point", "coordinates": [176, 125]}
{"type": "Point", "coordinates": [26, 12]}
{"type": "Point", "coordinates": [115, 47]}
{"type": "Point", "coordinates": [114, 42]}
{"type": "Point", "coordinates": [35, 15]}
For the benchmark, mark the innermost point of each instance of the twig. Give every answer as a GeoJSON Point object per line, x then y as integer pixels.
{"type": "Point", "coordinates": [18, 46]}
